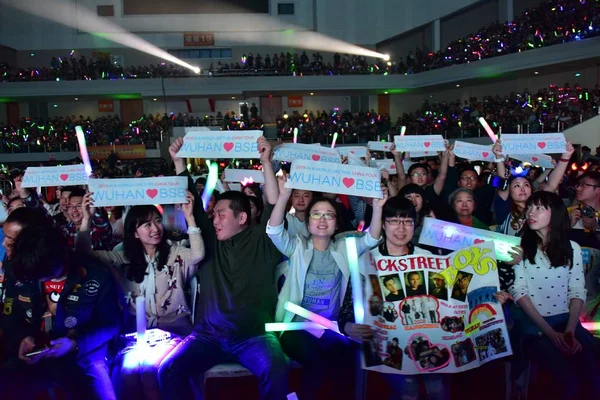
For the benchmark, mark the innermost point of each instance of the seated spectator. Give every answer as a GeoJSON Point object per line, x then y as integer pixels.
{"type": "Point", "coordinates": [63, 342]}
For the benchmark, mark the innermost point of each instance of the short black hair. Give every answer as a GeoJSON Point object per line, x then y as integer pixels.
{"type": "Point", "coordinates": [412, 273]}
{"type": "Point", "coordinates": [387, 279]}
{"type": "Point", "coordinates": [77, 192]}
{"type": "Point", "coordinates": [238, 203]}
{"type": "Point", "coordinates": [425, 166]}
{"type": "Point", "coordinates": [26, 217]}
{"type": "Point", "coordinates": [41, 251]}
{"type": "Point", "coordinates": [593, 175]}
{"type": "Point", "coordinates": [69, 189]}
{"type": "Point", "coordinates": [399, 207]}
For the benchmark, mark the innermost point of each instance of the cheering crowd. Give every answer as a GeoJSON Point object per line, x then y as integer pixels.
{"type": "Point", "coordinates": [58, 133]}
{"type": "Point", "coordinates": [552, 22]}
{"type": "Point", "coordinates": [76, 276]}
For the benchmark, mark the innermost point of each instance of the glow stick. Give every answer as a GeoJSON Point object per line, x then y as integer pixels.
{"type": "Point", "coordinates": [140, 319]}
{"type": "Point", "coordinates": [295, 135]}
{"type": "Point", "coordinates": [591, 326]}
{"type": "Point", "coordinates": [291, 326]}
{"type": "Point", "coordinates": [316, 318]}
{"type": "Point", "coordinates": [351, 249]}
{"type": "Point", "coordinates": [83, 150]}
{"type": "Point", "coordinates": [211, 183]}
{"type": "Point", "coordinates": [402, 130]}
{"type": "Point", "coordinates": [335, 136]}
{"type": "Point", "coordinates": [488, 129]}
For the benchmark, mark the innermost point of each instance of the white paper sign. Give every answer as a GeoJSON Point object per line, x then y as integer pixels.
{"type": "Point", "coordinates": [390, 165]}
{"type": "Point", "coordinates": [540, 160]}
{"type": "Point", "coordinates": [358, 151]}
{"type": "Point", "coordinates": [133, 192]}
{"type": "Point", "coordinates": [533, 143]}
{"type": "Point", "coordinates": [290, 152]}
{"type": "Point", "coordinates": [221, 144]}
{"type": "Point", "coordinates": [379, 146]}
{"type": "Point", "coordinates": [66, 175]}
{"type": "Point", "coordinates": [420, 143]}
{"type": "Point", "coordinates": [421, 154]}
{"type": "Point", "coordinates": [335, 178]}
{"type": "Point", "coordinates": [244, 175]}
{"type": "Point", "coordinates": [451, 236]}
{"type": "Point", "coordinates": [473, 152]}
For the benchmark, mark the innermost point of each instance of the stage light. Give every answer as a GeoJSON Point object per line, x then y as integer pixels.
{"type": "Point", "coordinates": [80, 18]}
{"type": "Point", "coordinates": [386, 57]}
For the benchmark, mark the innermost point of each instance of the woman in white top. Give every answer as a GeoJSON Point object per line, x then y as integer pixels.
{"type": "Point", "coordinates": [317, 279]}
{"type": "Point", "coordinates": [549, 289]}
{"type": "Point", "coordinates": [149, 266]}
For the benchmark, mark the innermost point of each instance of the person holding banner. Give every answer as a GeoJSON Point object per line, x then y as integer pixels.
{"type": "Point", "coordinates": [100, 228]}
{"type": "Point", "coordinates": [399, 218]}
{"type": "Point", "coordinates": [317, 280]}
{"type": "Point", "coordinates": [238, 293]}
{"type": "Point", "coordinates": [549, 289]}
{"type": "Point", "coordinates": [148, 266]}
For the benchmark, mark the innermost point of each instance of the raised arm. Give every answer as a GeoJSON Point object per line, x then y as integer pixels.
{"type": "Point", "coordinates": [266, 158]}
{"type": "Point", "coordinates": [399, 167]}
{"type": "Point", "coordinates": [557, 174]}
{"type": "Point", "coordinates": [500, 167]}
{"type": "Point", "coordinates": [375, 227]}
{"type": "Point", "coordinates": [275, 228]}
{"type": "Point", "coordinates": [438, 184]}
{"type": "Point", "coordinates": [196, 243]}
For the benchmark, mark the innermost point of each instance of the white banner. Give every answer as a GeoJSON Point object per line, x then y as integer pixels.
{"type": "Point", "coordinates": [420, 143]}
{"type": "Point", "coordinates": [433, 314]}
{"type": "Point", "coordinates": [138, 191]}
{"type": "Point", "coordinates": [222, 144]}
{"type": "Point", "coordinates": [379, 146]}
{"type": "Point", "coordinates": [358, 151]}
{"type": "Point", "coordinates": [290, 152]}
{"type": "Point", "coordinates": [390, 165]}
{"type": "Point", "coordinates": [540, 160]}
{"type": "Point", "coordinates": [244, 175]}
{"type": "Point", "coordinates": [420, 154]}
{"type": "Point", "coordinates": [335, 178]}
{"type": "Point", "coordinates": [473, 152]}
{"type": "Point", "coordinates": [533, 143]}
{"type": "Point", "coordinates": [66, 175]}
{"type": "Point", "coordinates": [451, 236]}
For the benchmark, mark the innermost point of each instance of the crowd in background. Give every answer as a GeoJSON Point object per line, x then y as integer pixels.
{"type": "Point", "coordinates": [58, 133]}
{"type": "Point", "coordinates": [552, 22]}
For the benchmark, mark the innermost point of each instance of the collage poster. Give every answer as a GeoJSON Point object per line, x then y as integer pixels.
{"type": "Point", "coordinates": [433, 313]}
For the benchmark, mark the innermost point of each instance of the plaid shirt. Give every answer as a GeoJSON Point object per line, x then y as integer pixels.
{"type": "Point", "coordinates": [101, 231]}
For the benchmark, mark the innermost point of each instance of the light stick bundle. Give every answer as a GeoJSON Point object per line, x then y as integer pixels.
{"type": "Point", "coordinates": [315, 321]}
{"type": "Point", "coordinates": [83, 150]}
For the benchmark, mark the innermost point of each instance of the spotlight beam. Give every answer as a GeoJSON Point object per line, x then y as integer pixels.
{"type": "Point", "coordinates": [60, 11]}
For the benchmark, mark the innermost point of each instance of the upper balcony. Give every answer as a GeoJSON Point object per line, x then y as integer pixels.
{"type": "Point", "coordinates": [547, 60]}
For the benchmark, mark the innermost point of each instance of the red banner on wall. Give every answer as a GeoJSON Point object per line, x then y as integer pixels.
{"type": "Point", "coordinates": [106, 106]}
{"type": "Point", "coordinates": [295, 101]}
{"type": "Point", "coordinates": [198, 39]}
{"type": "Point", "coordinates": [123, 152]}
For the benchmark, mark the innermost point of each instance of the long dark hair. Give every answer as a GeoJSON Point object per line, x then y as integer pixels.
{"type": "Point", "coordinates": [517, 214]}
{"type": "Point", "coordinates": [132, 246]}
{"type": "Point", "coordinates": [558, 248]}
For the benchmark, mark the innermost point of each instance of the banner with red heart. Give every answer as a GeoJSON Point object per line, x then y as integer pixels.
{"type": "Point", "coordinates": [298, 151]}
{"type": "Point", "coordinates": [390, 165]}
{"type": "Point", "coordinates": [335, 178]}
{"type": "Point", "coordinates": [222, 144]}
{"type": "Point", "coordinates": [379, 146]}
{"type": "Point", "coordinates": [533, 144]}
{"type": "Point", "coordinates": [540, 160]}
{"type": "Point", "coordinates": [65, 175]}
{"type": "Point", "coordinates": [420, 143]}
{"type": "Point", "coordinates": [473, 152]}
{"type": "Point", "coordinates": [139, 191]}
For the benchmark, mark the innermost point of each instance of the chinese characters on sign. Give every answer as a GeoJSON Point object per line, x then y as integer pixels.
{"type": "Point", "coordinates": [198, 39]}
{"type": "Point", "coordinates": [295, 101]}
{"type": "Point", "coordinates": [106, 106]}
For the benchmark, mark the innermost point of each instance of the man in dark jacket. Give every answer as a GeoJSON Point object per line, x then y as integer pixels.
{"type": "Point", "coordinates": [60, 313]}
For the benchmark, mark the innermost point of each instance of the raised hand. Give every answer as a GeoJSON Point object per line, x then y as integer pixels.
{"type": "Point", "coordinates": [265, 150]}
{"type": "Point", "coordinates": [174, 149]}
{"type": "Point", "coordinates": [188, 208]}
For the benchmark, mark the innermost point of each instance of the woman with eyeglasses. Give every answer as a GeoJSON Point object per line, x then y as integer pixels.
{"type": "Point", "coordinates": [399, 216]}
{"type": "Point", "coordinates": [549, 289]}
{"type": "Point", "coordinates": [317, 279]}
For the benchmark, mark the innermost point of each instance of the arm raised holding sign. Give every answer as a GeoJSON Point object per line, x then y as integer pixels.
{"type": "Point", "coordinates": [399, 166]}
{"type": "Point", "coordinates": [266, 158]}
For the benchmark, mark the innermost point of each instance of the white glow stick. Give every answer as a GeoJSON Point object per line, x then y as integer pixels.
{"type": "Point", "coordinates": [211, 183]}
{"type": "Point", "coordinates": [295, 135]}
{"type": "Point", "coordinates": [591, 326]}
{"type": "Point", "coordinates": [335, 136]}
{"type": "Point", "coordinates": [316, 318]}
{"type": "Point", "coordinates": [83, 150]}
{"type": "Point", "coordinates": [140, 319]}
{"type": "Point", "coordinates": [291, 326]}
{"type": "Point", "coordinates": [488, 129]}
{"type": "Point", "coordinates": [402, 130]}
{"type": "Point", "coordinates": [351, 249]}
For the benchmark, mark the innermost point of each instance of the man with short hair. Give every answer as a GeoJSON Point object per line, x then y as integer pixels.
{"type": "Point", "coordinates": [390, 284]}
{"type": "Point", "coordinates": [414, 286]}
{"type": "Point", "coordinates": [61, 219]}
{"type": "Point", "coordinates": [101, 230]}
{"type": "Point", "coordinates": [296, 222]}
{"type": "Point", "coordinates": [585, 217]}
{"type": "Point", "coordinates": [238, 294]}
{"type": "Point", "coordinates": [60, 312]}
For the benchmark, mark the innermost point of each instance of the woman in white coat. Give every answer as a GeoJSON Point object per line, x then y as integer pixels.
{"type": "Point", "coordinates": [317, 279]}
